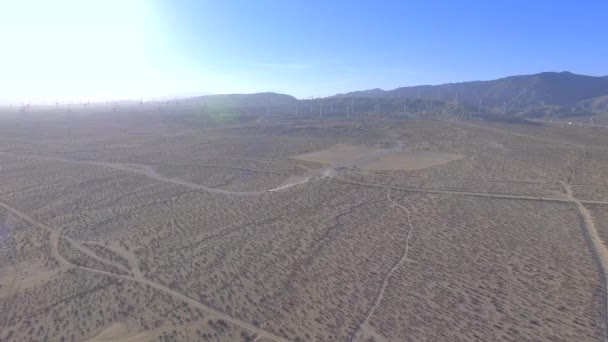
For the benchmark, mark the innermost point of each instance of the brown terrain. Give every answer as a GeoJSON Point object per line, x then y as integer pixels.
{"type": "Point", "coordinates": [119, 228]}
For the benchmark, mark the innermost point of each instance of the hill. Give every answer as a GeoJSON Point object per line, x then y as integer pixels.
{"type": "Point", "coordinates": [257, 100]}
{"type": "Point", "coordinates": [516, 93]}
{"type": "Point", "coordinates": [229, 105]}
{"type": "Point", "coordinates": [594, 105]}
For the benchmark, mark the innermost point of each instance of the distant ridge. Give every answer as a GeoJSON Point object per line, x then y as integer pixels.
{"type": "Point", "coordinates": [238, 100]}
{"type": "Point", "coordinates": [518, 92]}
{"type": "Point", "coordinates": [530, 96]}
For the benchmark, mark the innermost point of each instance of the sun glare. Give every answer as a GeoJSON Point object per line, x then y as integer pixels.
{"type": "Point", "coordinates": [95, 49]}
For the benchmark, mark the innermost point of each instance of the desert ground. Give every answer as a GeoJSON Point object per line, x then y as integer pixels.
{"type": "Point", "coordinates": [136, 227]}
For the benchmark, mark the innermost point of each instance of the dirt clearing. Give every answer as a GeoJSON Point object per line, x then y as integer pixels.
{"type": "Point", "coordinates": [396, 160]}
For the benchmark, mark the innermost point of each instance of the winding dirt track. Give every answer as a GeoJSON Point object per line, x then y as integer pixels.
{"type": "Point", "coordinates": [144, 170]}
{"type": "Point", "coordinates": [380, 295]}
{"type": "Point", "coordinates": [601, 255]}
{"type": "Point", "coordinates": [148, 171]}
{"type": "Point", "coordinates": [597, 247]}
{"type": "Point", "coordinates": [211, 312]}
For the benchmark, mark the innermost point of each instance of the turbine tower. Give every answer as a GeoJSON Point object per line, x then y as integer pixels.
{"type": "Point", "coordinates": [320, 109]}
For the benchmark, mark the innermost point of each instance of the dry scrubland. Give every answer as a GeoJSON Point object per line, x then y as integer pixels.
{"type": "Point", "coordinates": [143, 228]}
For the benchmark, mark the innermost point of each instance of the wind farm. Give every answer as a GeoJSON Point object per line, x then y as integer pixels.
{"type": "Point", "coordinates": [264, 217]}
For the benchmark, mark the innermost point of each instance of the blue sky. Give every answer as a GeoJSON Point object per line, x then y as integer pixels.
{"type": "Point", "coordinates": [138, 48]}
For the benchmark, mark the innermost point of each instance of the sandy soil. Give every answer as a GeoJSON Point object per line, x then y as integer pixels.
{"type": "Point", "coordinates": [403, 160]}
{"type": "Point", "coordinates": [147, 233]}
{"type": "Point", "coordinates": [22, 276]}
{"type": "Point", "coordinates": [414, 160]}
{"type": "Point", "coordinates": [337, 154]}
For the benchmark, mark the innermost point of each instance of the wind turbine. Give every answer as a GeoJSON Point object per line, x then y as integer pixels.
{"type": "Point", "coordinates": [320, 109]}
{"type": "Point", "coordinates": [311, 104]}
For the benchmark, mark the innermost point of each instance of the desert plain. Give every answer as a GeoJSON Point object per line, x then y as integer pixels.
{"type": "Point", "coordinates": [137, 227]}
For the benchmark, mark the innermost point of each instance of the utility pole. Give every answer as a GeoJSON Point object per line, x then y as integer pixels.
{"type": "Point", "coordinates": [352, 105]}
{"type": "Point", "coordinates": [479, 109]}
{"type": "Point", "coordinates": [347, 116]}
{"type": "Point", "coordinates": [504, 108]}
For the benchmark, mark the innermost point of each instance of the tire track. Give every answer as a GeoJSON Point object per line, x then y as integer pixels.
{"type": "Point", "coordinates": [380, 294]}
{"type": "Point", "coordinates": [600, 254]}
{"type": "Point", "coordinates": [213, 313]}
{"type": "Point", "coordinates": [594, 242]}
{"type": "Point", "coordinates": [467, 193]}
{"type": "Point", "coordinates": [306, 260]}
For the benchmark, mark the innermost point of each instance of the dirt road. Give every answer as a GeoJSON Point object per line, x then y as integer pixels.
{"type": "Point", "coordinates": [211, 312]}
{"type": "Point", "coordinates": [363, 326]}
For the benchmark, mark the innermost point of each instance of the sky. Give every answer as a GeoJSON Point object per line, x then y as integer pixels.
{"type": "Point", "coordinates": [68, 50]}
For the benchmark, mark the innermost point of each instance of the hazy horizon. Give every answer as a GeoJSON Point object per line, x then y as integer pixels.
{"type": "Point", "coordinates": [107, 50]}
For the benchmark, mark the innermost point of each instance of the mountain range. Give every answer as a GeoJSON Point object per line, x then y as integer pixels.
{"type": "Point", "coordinates": [544, 94]}
{"type": "Point", "coordinates": [547, 93]}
